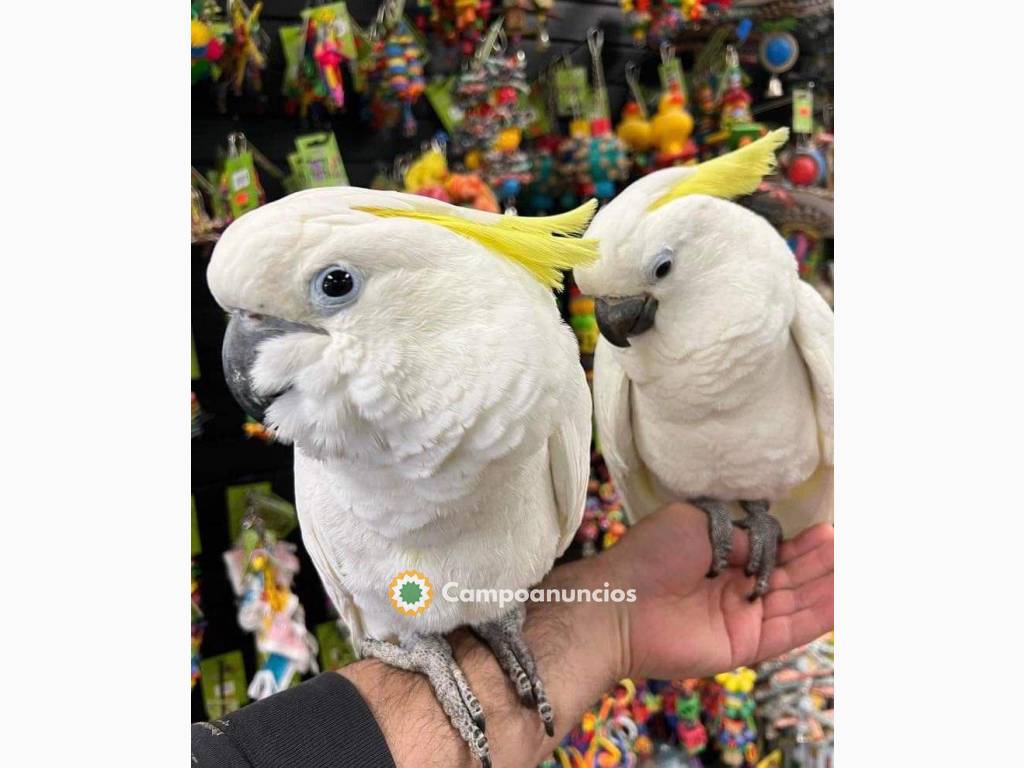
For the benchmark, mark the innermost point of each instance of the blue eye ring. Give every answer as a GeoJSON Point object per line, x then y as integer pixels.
{"type": "Point", "coordinates": [335, 287]}
{"type": "Point", "coordinates": [661, 265]}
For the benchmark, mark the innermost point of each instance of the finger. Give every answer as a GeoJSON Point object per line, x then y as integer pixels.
{"type": "Point", "coordinates": [740, 552]}
{"type": "Point", "coordinates": [806, 541]}
{"type": "Point", "coordinates": [783, 633]}
{"type": "Point", "coordinates": [785, 602]}
{"type": "Point", "coordinates": [807, 566]}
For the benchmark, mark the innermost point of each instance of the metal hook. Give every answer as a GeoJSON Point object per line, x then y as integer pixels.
{"type": "Point", "coordinates": [633, 82]}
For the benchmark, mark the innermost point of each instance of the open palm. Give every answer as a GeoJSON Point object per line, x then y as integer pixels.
{"type": "Point", "coordinates": [684, 624]}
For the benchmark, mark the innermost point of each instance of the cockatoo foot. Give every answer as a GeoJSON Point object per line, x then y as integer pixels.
{"type": "Point", "coordinates": [765, 534]}
{"type": "Point", "coordinates": [505, 638]}
{"type": "Point", "coordinates": [719, 531]}
{"type": "Point", "coordinates": [431, 655]}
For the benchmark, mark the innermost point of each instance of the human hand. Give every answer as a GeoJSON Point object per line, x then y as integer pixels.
{"type": "Point", "coordinates": [686, 625]}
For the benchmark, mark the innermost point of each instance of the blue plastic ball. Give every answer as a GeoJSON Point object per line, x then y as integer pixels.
{"type": "Point", "coordinates": [779, 51]}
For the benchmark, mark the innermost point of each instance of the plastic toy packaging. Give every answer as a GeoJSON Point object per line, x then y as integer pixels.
{"type": "Point", "coordinates": [239, 183]}
{"type": "Point", "coordinates": [261, 568]}
{"type": "Point", "coordinates": [315, 52]}
{"type": "Point", "coordinates": [316, 162]}
{"type": "Point", "coordinates": [395, 71]}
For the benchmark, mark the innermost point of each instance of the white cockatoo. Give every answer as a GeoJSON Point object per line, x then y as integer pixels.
{"type": "Point", "coordinates": [713, 377]}
{"type": "Point", "coordinates": [414, 354]}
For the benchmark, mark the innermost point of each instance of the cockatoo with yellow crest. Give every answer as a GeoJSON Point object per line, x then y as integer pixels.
{"type": "Point", "coordinates": [414, 354]}
{"type": "Point", "coordinates": [713, 377]}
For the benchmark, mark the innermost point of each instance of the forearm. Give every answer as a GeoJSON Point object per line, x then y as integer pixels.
{"type": "Point", "coordinates": [579, 651]}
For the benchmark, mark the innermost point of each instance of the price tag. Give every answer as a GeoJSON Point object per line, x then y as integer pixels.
{"type": "Point", "coordinates": [571, 95]}
{"type": "Point", "coordinates": [224, 684]}
{"type": "Point", "coordinates": [803, 110]}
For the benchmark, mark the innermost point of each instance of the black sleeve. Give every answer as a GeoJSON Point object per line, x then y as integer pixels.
{"type": "Point", "coordinates": [322, 723]}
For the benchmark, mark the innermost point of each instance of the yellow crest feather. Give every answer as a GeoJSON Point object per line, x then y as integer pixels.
{"type": "Point", "coordinates": [737, 173]}
{"type": "Point", "coordinates": [544, 245]}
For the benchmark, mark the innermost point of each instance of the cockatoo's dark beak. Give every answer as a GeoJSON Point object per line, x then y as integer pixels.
{"type": "Point", "coordinates": [620, 317]}
{"type": "Point", "coordinates": [246, 331]}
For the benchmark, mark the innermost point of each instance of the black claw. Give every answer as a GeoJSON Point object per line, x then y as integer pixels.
{"type": "Point", "coordinates": [549, 729]}
{"type": "Point", "coordinates": [485, 762]}
{"type": "Point", "coordinates": [758, 592]}
{"type": "Point", "coordinates": [481, 722]}
{"type": "Point", "coordinates": [712, 572]}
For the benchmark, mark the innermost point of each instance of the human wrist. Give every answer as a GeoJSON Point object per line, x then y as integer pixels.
{"type": "Point", "coordinates": [601, 628]}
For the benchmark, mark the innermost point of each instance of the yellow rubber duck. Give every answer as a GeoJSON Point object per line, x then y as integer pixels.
{"type": "Point", "coordinates": [635, 130]}
{"type": "Point", "coordinates": [672, 126]}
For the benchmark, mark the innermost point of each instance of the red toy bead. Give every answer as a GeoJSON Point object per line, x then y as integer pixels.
{"type": "Point", "coordinates": [802, 171]}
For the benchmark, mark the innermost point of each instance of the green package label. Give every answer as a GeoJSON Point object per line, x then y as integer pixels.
{"type": "Point", "coordinates": [571, 96]}
{"type": "Point", "coordinates": [439, 95]}
{"type": "Point", "coordinates": [242, 183]}
{"type": "Point", "coordinates": [224, 684]}
{"type": "Point", "coordinates": [670, 72]}
{"type": "Point", "coordinates": [292, 42]}
{"type": "Point", "coordinates": [237, 504]}
{"type": "Point", "coordinates": [320, 161]}
{"type": "Point", "coordinates": [197, 546]}
{"type": "Point", "coordinates": [803, 110]}
{"type": "Point", "coordinates": [335, 647]}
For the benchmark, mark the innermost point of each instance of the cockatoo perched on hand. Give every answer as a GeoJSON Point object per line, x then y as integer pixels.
{"type": "Point", "coordinates": [414, 354]}
{"type": "Point", "coordinates": [713, 379]}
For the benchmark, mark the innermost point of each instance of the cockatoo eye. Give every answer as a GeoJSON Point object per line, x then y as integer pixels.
{"type": "Point", "coordinates": [335, 287]}
{"type": "Point", "coordinates": [661, 265]}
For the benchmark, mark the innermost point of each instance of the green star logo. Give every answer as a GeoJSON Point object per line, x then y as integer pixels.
{"type": "Point", "coordinates": [410, 593]}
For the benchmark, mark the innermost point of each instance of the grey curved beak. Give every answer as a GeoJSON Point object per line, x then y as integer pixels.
{"type": "Point", "coordinates": [619, 317]}
{"type": "Point", "coordinates": [245, 332]}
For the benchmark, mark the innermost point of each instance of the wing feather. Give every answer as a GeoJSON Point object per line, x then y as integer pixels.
{"type": "Point", "coordinates": [812, 331]}
{"type": "Point", "coordinates": [569, 451]}
{"type": "Point", "coordinates": [613, 412]}
{"type": "Point", "coordinates": [330, 578]}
